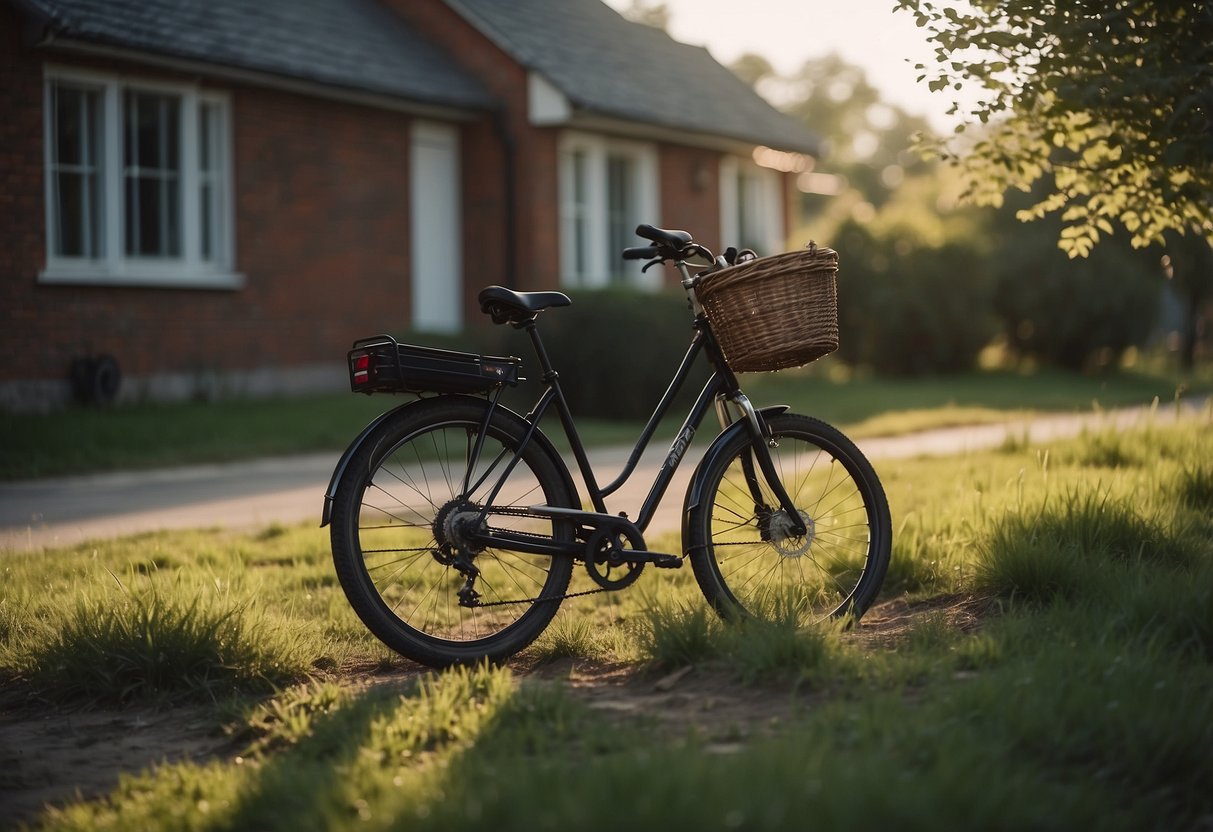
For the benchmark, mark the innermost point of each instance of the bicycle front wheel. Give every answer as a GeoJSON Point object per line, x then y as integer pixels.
{"type": "Point", "coordinates": [396, 518]}
{"type": "Point", "coordinates": [747, 559]}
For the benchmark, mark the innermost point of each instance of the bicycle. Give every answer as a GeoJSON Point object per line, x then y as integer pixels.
{"type": "Point", "coordinates": [456, 524]}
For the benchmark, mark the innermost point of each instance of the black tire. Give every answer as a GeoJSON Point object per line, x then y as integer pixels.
{"type": "Point", "coordinates": [749, 565]}
{"type": "Point", "coordinates": [390, 548]}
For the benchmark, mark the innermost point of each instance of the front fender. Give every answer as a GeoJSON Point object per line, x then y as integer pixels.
{"type": "Point", "coordinates": [695, 489]}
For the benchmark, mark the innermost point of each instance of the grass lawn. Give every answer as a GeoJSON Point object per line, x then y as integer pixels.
{"type": "Point", "coordinates": [143, 436]}
{"type": "Point", "coordinates": [1041, 657]}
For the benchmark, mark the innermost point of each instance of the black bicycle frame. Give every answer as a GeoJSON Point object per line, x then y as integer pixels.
{"type": "Point", "coordinates": [722, 384]}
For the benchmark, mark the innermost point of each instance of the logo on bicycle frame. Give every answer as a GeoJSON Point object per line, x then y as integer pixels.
{"type": "Point", "coordinates": [679, 448]}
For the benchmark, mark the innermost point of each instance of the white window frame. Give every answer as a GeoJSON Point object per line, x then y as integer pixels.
{"type": "Point", "coordinates": [112, 265]}
{"type": "Point", "coordinates": [764, 202]}
{"type": "Point", "coordinates": [595, 150]}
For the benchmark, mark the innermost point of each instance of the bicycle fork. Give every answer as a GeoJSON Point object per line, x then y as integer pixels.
{"type": "Point", "coordinates": [761, 443]}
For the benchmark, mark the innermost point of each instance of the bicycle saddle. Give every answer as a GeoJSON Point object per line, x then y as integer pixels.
{"type": "Point", "coordinates": [509, 307]}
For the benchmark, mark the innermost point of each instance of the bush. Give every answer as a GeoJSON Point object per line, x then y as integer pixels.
{"type": "Point", "coordinates": [615, 349]}
{"type": "Point", "coordinates": [906, 308]}
{"type": "Point", "coordinates": [1073, 313]}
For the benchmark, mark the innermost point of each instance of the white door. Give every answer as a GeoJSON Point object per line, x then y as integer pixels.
{"type": "Point", "coordinates": [437, 291]}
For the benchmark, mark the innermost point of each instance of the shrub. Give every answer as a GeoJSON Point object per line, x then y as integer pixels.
{"type": "Point", "coordinates": [616, 351]}
{"type": "Point", "coordinates": [907, 308]}
{"type": "Point", "coordinates": [1073, 313]}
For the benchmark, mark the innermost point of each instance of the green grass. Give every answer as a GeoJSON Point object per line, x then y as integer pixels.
{"type": "Point", "coordinates": [869, 405]}
{"type": "Point", "coordinates": [1078, 698]}
{"type": "Point", "coordinates": [168, 641]}
{"type": "Point", "coordinates": [79, 440]}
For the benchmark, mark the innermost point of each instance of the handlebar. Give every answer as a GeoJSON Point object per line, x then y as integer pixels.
{"type": "Point", "coordinates": [669, 239]}
{"type": "Point", "coordinates": [670, 245]}
{"type": "Point", "coordinates": [679, 246]}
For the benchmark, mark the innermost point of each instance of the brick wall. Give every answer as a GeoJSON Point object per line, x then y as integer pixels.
{"type": "Point", "coordinates": [534, 225]}
{"type": "Point", "coordinates": [21, 199]}
{"type": "Point", "coordinates": [690, 192]}
{"type": "Point", "coordinates": [321, 234]}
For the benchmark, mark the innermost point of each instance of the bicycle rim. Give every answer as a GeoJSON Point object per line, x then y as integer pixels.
{"type": "Point", "coordinates": [749, 561]}
{"type": "Point", "coordinates": [400, 538]}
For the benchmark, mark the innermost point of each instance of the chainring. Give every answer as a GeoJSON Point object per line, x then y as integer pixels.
{"type": "Point", "coordinates": [605, 554]}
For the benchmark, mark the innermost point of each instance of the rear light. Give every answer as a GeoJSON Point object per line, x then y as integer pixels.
{"type": "Point", "coordinates": [360, 368]}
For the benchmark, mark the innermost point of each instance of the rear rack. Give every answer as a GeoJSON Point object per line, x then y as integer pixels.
{"type": "Point", "coordinates": [381, 364]}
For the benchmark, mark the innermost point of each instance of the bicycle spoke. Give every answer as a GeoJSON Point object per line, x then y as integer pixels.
{"type": "Point", "coordinates": [811, 575]}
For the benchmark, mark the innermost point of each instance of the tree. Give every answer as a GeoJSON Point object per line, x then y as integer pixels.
{"type": "Point", "coordinates": [1188, 265]}
{"type": "Point", "coordinates": [1111, 100]}
{"type": "Point", "coordinates": [656, 15]}
{"type": "Point", "coordinates": [867, 141]}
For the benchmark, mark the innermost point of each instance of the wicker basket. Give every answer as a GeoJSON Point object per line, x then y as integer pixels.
{"type": "Point", "coordinates": [774, 312]}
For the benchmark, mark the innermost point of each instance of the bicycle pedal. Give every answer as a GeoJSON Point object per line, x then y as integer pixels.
{"type": "Point", "coordinates": [659, 559]}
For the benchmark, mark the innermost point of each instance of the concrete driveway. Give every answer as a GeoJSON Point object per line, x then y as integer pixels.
{"type": "Point", "coordinates": [38, 514]}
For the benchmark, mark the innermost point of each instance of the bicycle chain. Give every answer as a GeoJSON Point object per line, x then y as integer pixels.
{"type": "Point", "coordinates": [522, 512]}
{"type": "Point", "coordinates": [479, 604]}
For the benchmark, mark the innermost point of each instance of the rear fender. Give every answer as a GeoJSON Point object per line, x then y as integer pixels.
{"type": "Point", "coordinates": [539, 438]}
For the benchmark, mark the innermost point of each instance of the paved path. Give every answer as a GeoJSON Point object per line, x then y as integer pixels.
{"type": "Point", "coordinates": [46, 513]}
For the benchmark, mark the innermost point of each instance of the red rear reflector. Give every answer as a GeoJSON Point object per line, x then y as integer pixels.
{"type": "Point", "coordinates": [362, 368]}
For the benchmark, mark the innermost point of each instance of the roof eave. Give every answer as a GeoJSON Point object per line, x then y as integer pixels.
{"type": "Point", "coordinates": [585, 119]}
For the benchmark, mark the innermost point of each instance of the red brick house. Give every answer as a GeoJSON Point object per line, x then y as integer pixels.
{"type": "Point", "coordinates": [223, 195]}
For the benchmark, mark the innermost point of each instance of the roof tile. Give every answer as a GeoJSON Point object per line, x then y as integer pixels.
{"type": "Point", "coordinates": [356, 44]}
{"type": "Point", "coordinates": [611, 66]}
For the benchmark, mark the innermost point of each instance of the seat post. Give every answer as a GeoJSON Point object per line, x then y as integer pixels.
{"type": "Point", "coordinates": [549, 372]}
{"type": "Point", "coordinates": [552, 379]}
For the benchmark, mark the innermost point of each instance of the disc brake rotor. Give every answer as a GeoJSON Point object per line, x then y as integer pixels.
{"type": "Point", "coordinates": [787, 543]}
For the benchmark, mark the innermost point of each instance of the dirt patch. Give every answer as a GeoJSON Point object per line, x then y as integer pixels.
{"type": "Point", "coordinates": [51, 755]}
{"type": "Point", "coordinates": [889, 623]}
{"type": "Point", "coordinates": [705, 702]}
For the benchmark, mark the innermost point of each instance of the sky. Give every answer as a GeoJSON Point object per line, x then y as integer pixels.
{"type": "Point", "coordinates": [866, 33]}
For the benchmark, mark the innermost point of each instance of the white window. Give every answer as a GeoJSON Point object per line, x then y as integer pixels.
{"type": "Point", "coordinates": [138, 183]}
{"type": "Point", "coordinates": [751, 206]}
{"type": "Point", "coordinates": [607, 188]}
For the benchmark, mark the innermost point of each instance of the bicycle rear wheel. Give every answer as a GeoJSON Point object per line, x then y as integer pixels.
{"type": "Point", "coordinates": [746, 558]}
{"type": "Point", "coordinates": [395, 513]}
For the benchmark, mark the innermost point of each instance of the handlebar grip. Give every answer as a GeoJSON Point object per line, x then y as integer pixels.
{"type": "Point", "coordinates": [640, 253]}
